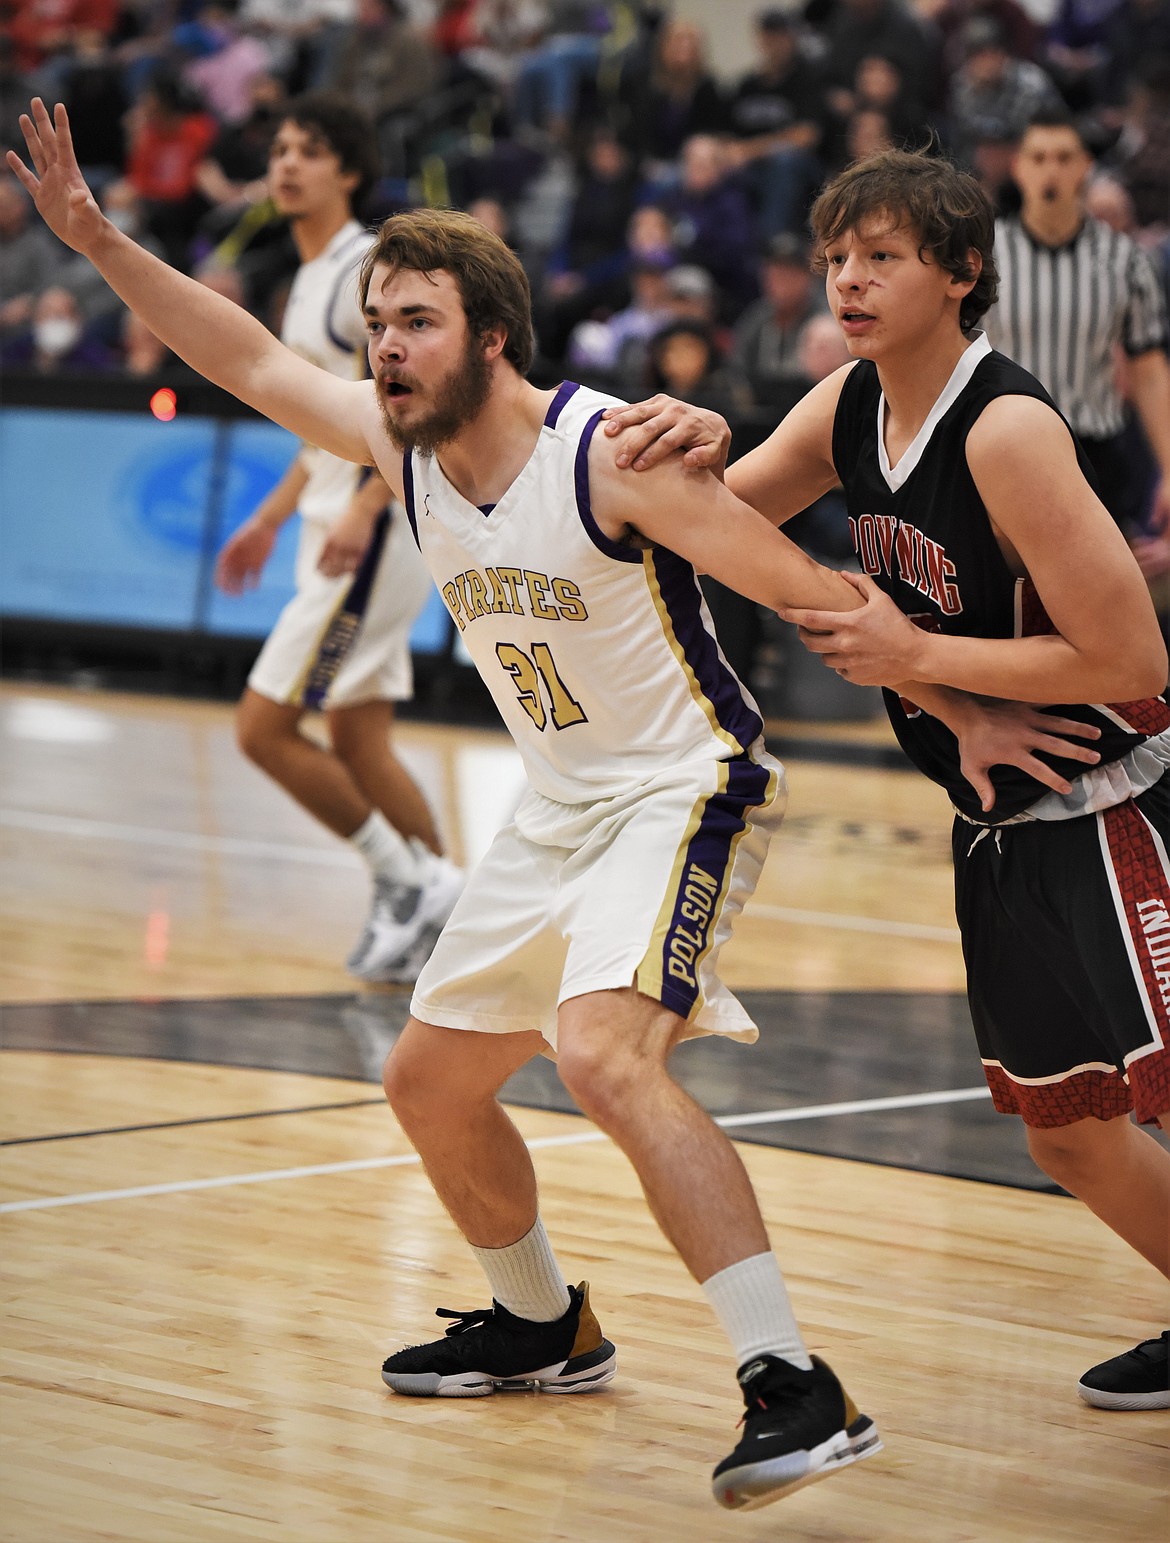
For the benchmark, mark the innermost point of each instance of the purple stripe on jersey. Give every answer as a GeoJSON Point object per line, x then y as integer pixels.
{"type": "Point", "coordinates": [624, 554]}
{"type": "Point", "coordinates": [683, 600]}
{"type": "Point", "coordinates": [339, 635]}
{"type": "Point", "coordinates": [564, 391]}
{"type": "Point", "coordinates": [408, 494]}
{"type": "Point", "coordinates": [341, 280]}
{"type": "Point", "coordinates": [702, 882]}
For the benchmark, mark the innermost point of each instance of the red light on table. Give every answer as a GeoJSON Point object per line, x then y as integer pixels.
{"type": "Point", "coordinates": [163, 404]}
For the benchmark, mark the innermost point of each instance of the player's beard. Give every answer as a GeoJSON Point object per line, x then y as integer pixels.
{"type": "Point", "coordinates": [459, 400]}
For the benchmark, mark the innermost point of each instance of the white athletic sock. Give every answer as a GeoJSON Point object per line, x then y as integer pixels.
{"type": "Point", "coordinates": [386, 853]}
{"type": "Point", "coordinates": [751, 1302]}
{"type": "Point", "coordinates": [525, 1278]}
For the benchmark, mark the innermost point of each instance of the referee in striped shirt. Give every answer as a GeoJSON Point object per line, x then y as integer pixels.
{"type": "Point", "coordinates": [1071, 291]}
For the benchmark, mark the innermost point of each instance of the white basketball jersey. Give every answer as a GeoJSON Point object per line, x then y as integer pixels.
{"type": "Point", "coordinates": [324, 324]}
{"type": "Point", "coordinates": [601, 658]}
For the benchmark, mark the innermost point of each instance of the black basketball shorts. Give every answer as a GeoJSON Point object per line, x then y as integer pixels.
{"type": "Point", "coordinates": [1066, 936]}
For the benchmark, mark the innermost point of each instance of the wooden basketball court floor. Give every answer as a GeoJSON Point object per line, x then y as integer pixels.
{"type": "Point", "coordinates": [213, 1230]}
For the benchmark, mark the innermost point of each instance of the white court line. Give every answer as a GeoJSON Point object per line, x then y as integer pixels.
{"type": "Point", "coordinates": [784, 913]}
{"type": "Point", "coordinates": [185, 841]}
{"type": "Point", "coordinates": [576, 1138]}
{"type": "Point", "coordinates": [287, 852]}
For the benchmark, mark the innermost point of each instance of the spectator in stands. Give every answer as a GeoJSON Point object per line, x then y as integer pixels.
{"type": "Point", "coordinates": [234, 173]}
{"type": "Point", "coordinates": [775, 116]}
{"type": "Point", "coordinates": [1020, 32]}
{"type": "Point", "coordinates": [1137, 38]}
{"type": "Point", "coordinates": [1141, 158]}
{"type": "Point", "coordinates": [551, 76]}
{"type": "Point", "coordinates": [1076, 52]}
{"type": "Point", "coordinates": [387, 68]}
{"type": "Point", "coordinates": [101, 307]}
{"type": "Point", "coordinates": [993, 96]}
{"type": "Point", "coordinates": [588, 271]}
{"type": "Point", "coordinates": [859, 29]}
{"type": "Point", "coordinates": [223, 60]}
{"type": "Point", "coordinates": [882, 112]}
{"type": "Point", "coordinates": [713, 223]}
{"type": "Point", "coordinates": [765, 346]}
{"type": "Point", "coordinates": [300, 35]}
{"type": "Point", "coordinates": [684, 361]}
{"type": "Point", "coordinates": [57, 341]}
{"type": "Point", "coordinates": [92, 88]}
{"type": "Point", "coordinates": [505, 33]}
{"type": "Point", "coordinates": [823, 528]}
{"type": "Point", "coordinates": [612, 349]}
{"type": "Point", "coordinates": [29, 257]}
{"type": "Point", "coordinates": [143, 355]}
{"type": "Point", "coordinates": [677, 99]}
{"type": "Point", "coordinates": [491, 214]}
{"type": "Point", "coordinates": [170, 136]}
{"type": "Point", "coordinates": [878, 87]}
{"type": "Point", "coordinates": [1107, 200]}
{"type": "Point", "coordinates": [44, 32]}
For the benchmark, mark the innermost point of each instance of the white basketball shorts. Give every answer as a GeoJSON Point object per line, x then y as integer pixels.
{"type": "Point", "coordinates": [640, 889]}
{"type": "Point", "coordinates": [342, 641]}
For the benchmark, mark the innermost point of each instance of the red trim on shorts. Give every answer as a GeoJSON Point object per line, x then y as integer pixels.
{"type": "Point", "coordinates": [1149, 716]}
{"type": "Point", "coordinates": [1143, 888]}
{"type": "Point", "coordinates": [1092, 1095]}
{"type": "Point", "coordinates": [1142, 900]}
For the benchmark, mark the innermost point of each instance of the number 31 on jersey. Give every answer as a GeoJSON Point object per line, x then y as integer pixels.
{"type": "Point", "coordinates": [531, 670]}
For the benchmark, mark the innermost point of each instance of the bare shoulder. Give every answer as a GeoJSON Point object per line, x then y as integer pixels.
{"type": "Point", "coordinates": [1015, 430]}
{"type": "Point", "coordinates": [623, 503]}
{"type": "Point", "coordinates": [386, 460]}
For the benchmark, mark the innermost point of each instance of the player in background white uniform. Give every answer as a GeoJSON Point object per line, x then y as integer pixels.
{"type": "Point", "coordinates": [449, 321]}
{"type": "Point", "coordinates": [342, 644]}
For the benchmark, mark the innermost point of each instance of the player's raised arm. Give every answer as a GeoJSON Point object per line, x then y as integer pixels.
{"type": "Point", "coordinates": [787, 473]}
{"type": "Point", "coordinates": [693, 514]}
{"type": "Point", "coordinates": [215, 336]}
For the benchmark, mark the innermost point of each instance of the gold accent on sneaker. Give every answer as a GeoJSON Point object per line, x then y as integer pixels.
{"type": "Point", "coordinates": [589, 1335]}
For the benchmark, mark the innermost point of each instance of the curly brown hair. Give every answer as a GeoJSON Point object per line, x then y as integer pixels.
{"type": "Point", "coordinates": [492, 283]}
{"type": "Point", "coordinates": [945, 207]}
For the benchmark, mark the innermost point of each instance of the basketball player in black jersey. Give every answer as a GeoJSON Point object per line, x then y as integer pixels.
{"type": "Point", "coordinates": [992, 570]}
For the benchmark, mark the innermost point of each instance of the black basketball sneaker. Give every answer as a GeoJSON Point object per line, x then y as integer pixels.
{"type": "Point", "coordinates": [1137, 1379]}
{"type": "Point", "coordinates": [798, 1427]}
{"type": "Point", "coordinates": [493, 1350]}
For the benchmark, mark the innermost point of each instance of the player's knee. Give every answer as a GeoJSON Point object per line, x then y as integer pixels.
{"type": "Point", "coordinates": [351, 749]}
{"type": "Point", "coordinates": [254, 736]}
{"type": "Point", "coordinates": [1072, 1154]}
{"type": "Point", "coordinates": [412, 1083]}
{"type": "Point", "coordinates": [604, 1079]}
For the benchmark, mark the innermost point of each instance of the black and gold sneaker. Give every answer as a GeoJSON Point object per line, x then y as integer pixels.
{"type": "Point", "coordinates": [493, 1350]}
{"type": "Point", "coordinates": [798, 1427]}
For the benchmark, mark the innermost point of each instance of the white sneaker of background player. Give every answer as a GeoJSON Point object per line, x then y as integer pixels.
{"type": "Point", "coordinates": [405, 920]}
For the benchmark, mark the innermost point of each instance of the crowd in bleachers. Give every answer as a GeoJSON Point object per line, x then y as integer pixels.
{"type": "Point", "coordinates": [659, 209]}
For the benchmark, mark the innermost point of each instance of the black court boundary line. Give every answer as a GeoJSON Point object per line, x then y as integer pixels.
{"type": "Point", "coordinates": [755, 1135]}
{"type": "Point", "coordinates": [204, 1119]}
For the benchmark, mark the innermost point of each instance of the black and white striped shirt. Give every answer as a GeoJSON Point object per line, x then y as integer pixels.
{"type": "Point", "coordinates": [1063, 310]}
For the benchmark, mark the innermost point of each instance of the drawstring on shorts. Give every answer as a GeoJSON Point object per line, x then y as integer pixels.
{"type": "Point", "coordinates": [986, 830]}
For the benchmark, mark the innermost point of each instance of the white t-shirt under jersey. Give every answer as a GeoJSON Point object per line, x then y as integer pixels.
{"type": "Point", "coordinates": [601, 658]}
{"type": "Point", "coordinates": [324, 324]}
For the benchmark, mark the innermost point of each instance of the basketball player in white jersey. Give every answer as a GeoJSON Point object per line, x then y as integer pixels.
{"type": "Point", "coordinates": [990, 565]}
{"type": "Point", "coordinates": [342, 644]}
{"type": "Point", "coordinates": [594, 924]}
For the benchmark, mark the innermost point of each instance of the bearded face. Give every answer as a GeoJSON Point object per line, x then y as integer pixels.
{"type": "Point", "coordinates": [423, 418]}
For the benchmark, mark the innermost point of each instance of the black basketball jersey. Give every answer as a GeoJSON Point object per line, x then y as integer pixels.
{"type": "Point", "coordinates": [922, 533]}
